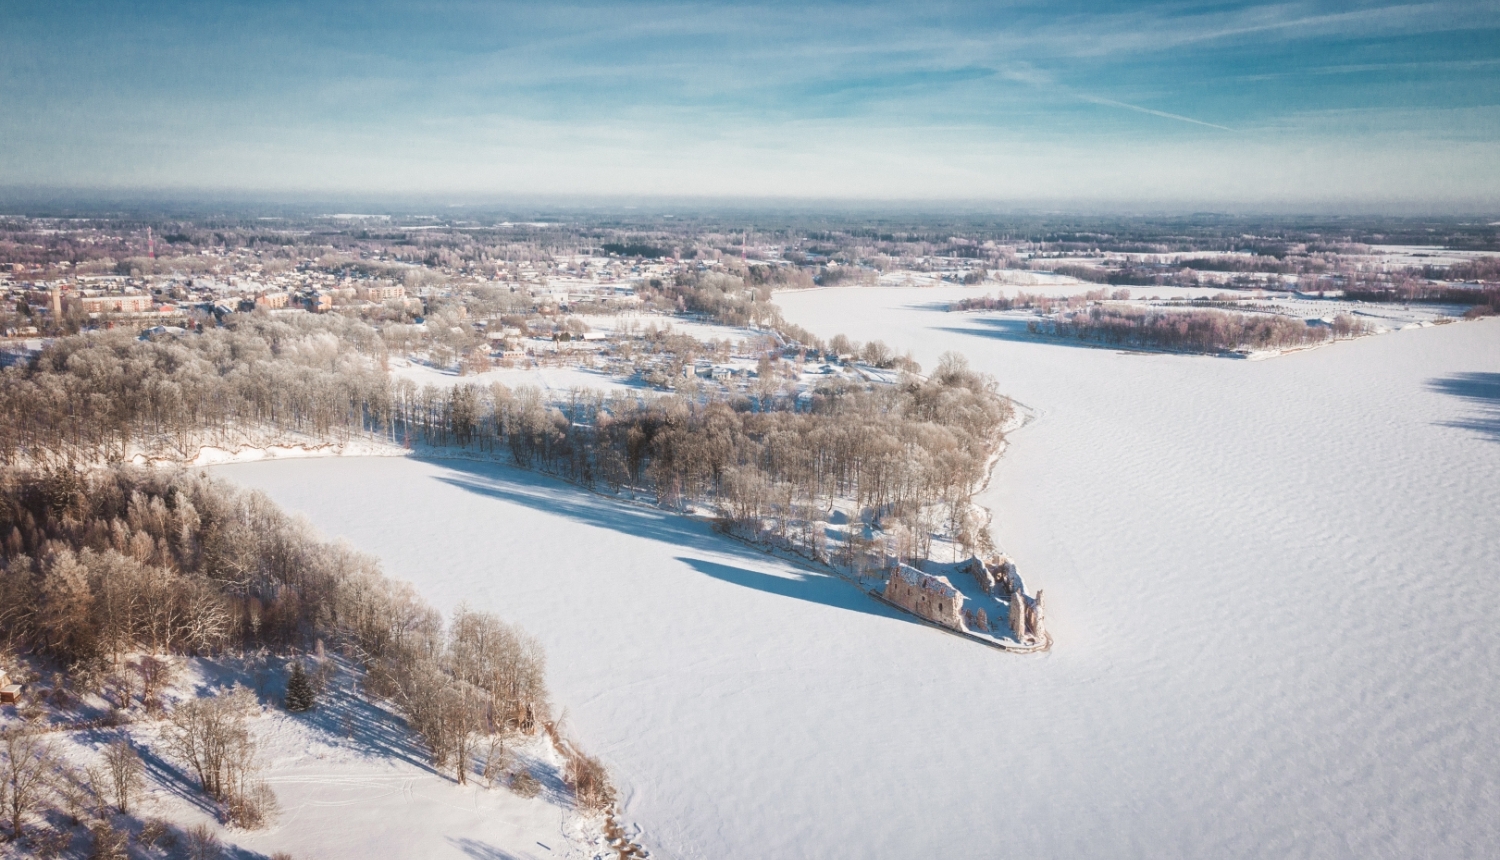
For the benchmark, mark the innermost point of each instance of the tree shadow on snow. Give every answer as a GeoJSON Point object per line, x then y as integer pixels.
{"type": "Point", "coordinates": [175, 780]}
{"type": "Point", "coordinates": [932, 306]}
{"type": "Point", "coordinates": [552, 495]}
{"type": "Point", "coordinates": [811, 587]}
{"type": "Point", "coordinates": [345, 718]}
{"type": "Point", "coordinates": [545, 493]}
{"type": "Point", "coordinates": [1481, 390]}
{"type": "Point", "coordinates": [1010, 329]}
{"type": "Point", "coordinates": [481, 850]}
{"type": "Point", "coordinates": [1013, 330]}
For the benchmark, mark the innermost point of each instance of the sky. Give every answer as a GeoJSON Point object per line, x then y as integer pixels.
{"type": "Point", "coordinates": [1090, 103]}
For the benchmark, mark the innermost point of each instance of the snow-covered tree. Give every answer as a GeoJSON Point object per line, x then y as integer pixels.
{"type": "Point", "coordinates": [300, 695]}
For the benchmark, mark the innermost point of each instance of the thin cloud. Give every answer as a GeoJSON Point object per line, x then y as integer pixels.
{"type": "Point", "coordinates": [1161, 113]}
{"type": "Point", "coordinates": [1024, 73]}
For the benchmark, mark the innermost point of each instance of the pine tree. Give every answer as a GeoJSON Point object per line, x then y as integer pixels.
{"type": "Point", "coordinates": [299, 690]}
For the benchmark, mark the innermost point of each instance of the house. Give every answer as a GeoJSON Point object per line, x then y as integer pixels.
{"type": "Point", "coordinates": [930, 597]}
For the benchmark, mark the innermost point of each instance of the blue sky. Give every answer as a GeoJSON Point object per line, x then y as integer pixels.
{"type": "Point", "coordinates": [1110, 104]}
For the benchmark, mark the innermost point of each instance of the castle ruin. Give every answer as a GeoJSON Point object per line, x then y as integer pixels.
{"type": "Point", "coordinates": [1028, 618]}
{"type": "Point", "coordinates": [935, 599]}
{"type": "Point", "coordinates": [927, 596]}
{"type": "Point", "coordinates": [996, 576]}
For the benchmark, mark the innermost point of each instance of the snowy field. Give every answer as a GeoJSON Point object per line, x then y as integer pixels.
{"type": "Point", "coordinates": [554, 380]}
{"type": "Point", "coordinates": [1272, 586]}
{"type": "Point", "coordinates": [351, 781]}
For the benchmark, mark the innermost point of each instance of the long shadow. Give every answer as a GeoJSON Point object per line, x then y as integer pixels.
{"type": "Point", "coordinates": [554, 496]}
{"type": "Point", "coordinates": [549, 780]}
{"type": "Point", "coordinates": [175, 780]}
{"type": "Point", "coordinates": [542, 493]}
{"type": "Point", "coordinates": [481, 850]}
{"type": "Point", "coordinates": [927, 306]}
{"type": "Point", "coordinates": [348, 719]}
{"type": "Point", "coordinates": [1479, 389]}
{"type": "Point", "coordinates": [811, 587]}
{"type": "Point", "coordinates": [342, 716]}
{"type": "Point", "coordinates": [1013, 330]}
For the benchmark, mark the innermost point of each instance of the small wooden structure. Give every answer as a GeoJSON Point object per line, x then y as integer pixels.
{"type": "Point", "coordinates": [10, 694]}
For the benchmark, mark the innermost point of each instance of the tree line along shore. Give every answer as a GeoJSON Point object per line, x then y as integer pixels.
{"type": "Point", "coordinates": [112, 570]}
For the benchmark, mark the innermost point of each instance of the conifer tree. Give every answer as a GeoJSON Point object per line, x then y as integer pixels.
{"type": "Point", "coordinates": [299, 690]}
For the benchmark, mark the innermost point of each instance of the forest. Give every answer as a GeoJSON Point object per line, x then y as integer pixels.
{"type": "Point", "coordinates": [99, 397]}
{"type": "Point", "coordinates": [896, 451]}
{"type": "Point", "coordinates": [901, 453]}
{"type": "Point", "coordinates": [1481, 302]}
{"type": "Point", "coordinates": [104, 566]}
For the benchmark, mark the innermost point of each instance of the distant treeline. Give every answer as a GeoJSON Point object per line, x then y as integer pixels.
{"type": "Point", "coordinates": [1193, 331]}
{"type": "Point", "coordinates": [1483, 269]}
{"type": "Point", "coordinates": [634, 249]}
{"type": "Point", "coordinates": [1480, 302]}
{"type": "Point", "coordinates": [1096, 275]}
{"type": "Point", "coordinates": [100, 564]}
{"type": "Point", "coordinates": [1183, 273]}
{"type": "Point", "coordinates": [1034, 301]}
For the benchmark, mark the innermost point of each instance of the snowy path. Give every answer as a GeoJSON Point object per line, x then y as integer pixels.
{"type": "Point", "coordinates": [1272, 586]}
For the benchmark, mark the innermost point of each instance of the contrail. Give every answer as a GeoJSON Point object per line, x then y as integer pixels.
{"type": "Point", "coordinates": [1112, 103]}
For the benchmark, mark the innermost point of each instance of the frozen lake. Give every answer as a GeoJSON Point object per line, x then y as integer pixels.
{"type": "Point", "coordinates": [1273, 587]}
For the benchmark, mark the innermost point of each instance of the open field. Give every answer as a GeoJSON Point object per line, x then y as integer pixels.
{"type": "Point", "coordinates": [1271, 585]}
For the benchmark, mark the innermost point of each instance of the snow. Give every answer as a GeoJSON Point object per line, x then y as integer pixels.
{"type": "Point", "coordinates": [703, 331]}
{"type": "Point", "coordinates": [1271, 586]}
{"type": "Point", "coordinates": [350, 781]}
{"type": "Point", "coordinates": [1420, 255]}
{"type": "Point", "coordinates": [554, 379]}
{"type": "Point", "coordinates": [343, 797]}
{"type": "Point", "coordinates": [358, 446]}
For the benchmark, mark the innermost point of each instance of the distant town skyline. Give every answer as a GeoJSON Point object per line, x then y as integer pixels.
{"type": "Point", "coordinates": [1291, 104]}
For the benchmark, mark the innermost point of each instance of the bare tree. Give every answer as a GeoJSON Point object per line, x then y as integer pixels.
{"type": "Point", "coordinates": [203, 844]}
{"type": "Point", "coordinates": [28, 758]}
{"type": "Point", "coordinates": [590, 782]}
{"type": "Point", "coordinates": [108, 843]}
{"type": "Point", "coordinates": [209, 734]}
{"type": "Point", "coordinates": [463, 713]}
{"type": "Point", "coordinates": [77, 789]}
{"type": "Point", "coordinates": [156, 673]}
{"type": "Point", "coordinates": [126, 772]}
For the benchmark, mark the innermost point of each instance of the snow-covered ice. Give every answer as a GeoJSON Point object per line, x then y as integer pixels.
{"type": "Point", "coordinates": [1272, 587]}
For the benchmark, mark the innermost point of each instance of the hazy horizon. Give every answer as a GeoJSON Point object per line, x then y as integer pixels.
{"type": "Point", "coordinates": [189, 203]}
{"type": "Point", "coordinates": [1150, 107]}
